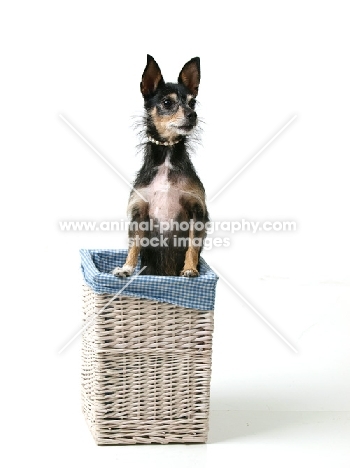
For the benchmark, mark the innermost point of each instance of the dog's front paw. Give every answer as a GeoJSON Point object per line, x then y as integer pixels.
{"type": "Point", "coordinates": [123, 271]}
{"type": "Point", "coordinates": [190, 273]}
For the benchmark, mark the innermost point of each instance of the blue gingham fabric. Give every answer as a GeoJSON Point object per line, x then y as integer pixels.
{"type": "Point", "coordinates": [194, 293]}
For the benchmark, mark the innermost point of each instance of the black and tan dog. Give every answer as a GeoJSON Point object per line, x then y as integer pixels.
{"type": "Point", "coordinates": [167, 205]}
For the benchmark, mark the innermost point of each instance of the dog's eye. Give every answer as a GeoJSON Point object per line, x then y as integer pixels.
{"type": "Point", "coordinates": [192, 103]}
{"type": "Point", "coordinates": [167, 103]}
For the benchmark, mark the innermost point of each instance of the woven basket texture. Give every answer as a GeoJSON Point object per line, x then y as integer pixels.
{"type": "Point", "coordinates": [146, 369]}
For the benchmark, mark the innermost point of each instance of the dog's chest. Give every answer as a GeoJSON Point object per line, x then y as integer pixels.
{"type": "Point", "coordinates": [163, 196]}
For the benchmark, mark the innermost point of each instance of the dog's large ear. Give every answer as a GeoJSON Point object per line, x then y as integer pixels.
{"type": "Point", "coordinates": [190, 75]}
{"type": "Point", "coordinates": [151, 78]}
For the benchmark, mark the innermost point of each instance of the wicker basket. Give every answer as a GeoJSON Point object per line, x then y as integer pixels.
{"type": "Point", "coordinates": [146, 370]}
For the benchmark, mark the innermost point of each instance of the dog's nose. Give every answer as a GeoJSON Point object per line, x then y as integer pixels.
{"type": "Point", "coordinates": [191, 117]}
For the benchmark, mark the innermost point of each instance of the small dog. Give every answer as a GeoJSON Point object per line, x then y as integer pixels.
{"type": "Point", "coordinates": [167, 204]}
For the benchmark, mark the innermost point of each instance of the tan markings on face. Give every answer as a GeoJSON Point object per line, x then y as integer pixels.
{"type": "Point", "coordinates": [167, 125]}
{"type": "Point", "coordinates": [173, 96]}
{"type": "Point", "coordinates": [189, 97]}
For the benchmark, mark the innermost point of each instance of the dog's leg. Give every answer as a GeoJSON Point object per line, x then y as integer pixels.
{"type": "Point", "coordinates": [131, 260]}
{"type": "Point", "coordinates": [139, 214]}
{"type": "Point", "coordinates": [191, 262]}
{"type": "Point", "coordinates": [196, 210]}
{"type": "Point", "coordinates": [192, 254]}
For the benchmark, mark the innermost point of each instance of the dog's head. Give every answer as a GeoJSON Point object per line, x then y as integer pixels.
{"type": "Point", "coordinates": [170, 107]}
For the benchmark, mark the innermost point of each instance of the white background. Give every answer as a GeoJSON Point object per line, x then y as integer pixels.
{"type": "Point", "coordinates": [261, 63]}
